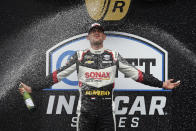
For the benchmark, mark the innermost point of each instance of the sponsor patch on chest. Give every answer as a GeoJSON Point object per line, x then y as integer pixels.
{"type": "Point", "coordinates": [106, 57]}
{"type": "Point", "coordinates": [98, 75]}
{"type": "Point", "coordinates": [106, 62]}
{"type": "Point", "coordinates": [89, 62]}
{"type": "Point", "coordinates": [98, 93]}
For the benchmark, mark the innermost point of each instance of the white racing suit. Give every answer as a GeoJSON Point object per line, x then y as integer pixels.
{"type": "Point", "coordinates": [96, 71]}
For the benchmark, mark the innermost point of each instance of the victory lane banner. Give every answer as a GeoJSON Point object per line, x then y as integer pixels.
{"type": "Point", "coordinates": [134, 110]}
{"type": "Point", "coordinates": [136, 105]}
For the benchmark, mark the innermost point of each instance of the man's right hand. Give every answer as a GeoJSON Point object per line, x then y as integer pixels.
{"type": "Point", "coordinates": [24, 88]}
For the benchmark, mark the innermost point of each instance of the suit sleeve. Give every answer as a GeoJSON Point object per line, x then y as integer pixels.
{"type": "Point", "coordinates": [57, 75]}
{"type": "Point", "coordinates": [137, 75]}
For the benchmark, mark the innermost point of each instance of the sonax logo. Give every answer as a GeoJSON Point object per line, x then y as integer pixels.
{"type": "Point", "coordinates": [107, 9]}
{"type": "Point", "coordinates": [140, 52]}
{"type": "Point", "coordinates": [97, 75]}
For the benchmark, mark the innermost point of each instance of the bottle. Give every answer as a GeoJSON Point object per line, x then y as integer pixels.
{"type": "Point", "coordinates": [28, 100]}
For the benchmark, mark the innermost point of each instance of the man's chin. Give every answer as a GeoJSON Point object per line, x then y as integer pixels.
{"type": "Point", "coordinates": [97, 43]}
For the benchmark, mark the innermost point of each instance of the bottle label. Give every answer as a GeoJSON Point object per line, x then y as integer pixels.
{"type": "Point", "coordinates": [29, 102]}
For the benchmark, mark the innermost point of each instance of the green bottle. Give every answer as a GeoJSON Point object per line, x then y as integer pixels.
{"type": "Point", "coordinates": [28, 100]}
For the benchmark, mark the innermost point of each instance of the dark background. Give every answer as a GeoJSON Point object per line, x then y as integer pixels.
{"type": "Point", "coordinates": [27, 30]}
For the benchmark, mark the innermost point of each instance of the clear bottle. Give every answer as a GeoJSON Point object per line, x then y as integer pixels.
{"type": "Point", "coordinates": [28, 100]}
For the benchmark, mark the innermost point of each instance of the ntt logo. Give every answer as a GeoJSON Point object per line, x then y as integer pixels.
{"type": "Point", "coordinates": [108, 10]}
{"type": "Point", "coordinates": [140, 52]}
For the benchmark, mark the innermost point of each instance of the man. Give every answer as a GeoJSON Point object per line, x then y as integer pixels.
{"type": "Point", "coordinates": [96, 68]}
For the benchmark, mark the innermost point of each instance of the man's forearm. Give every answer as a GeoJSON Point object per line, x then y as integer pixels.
{"type": "Point", "coordinates": [150, 80]}
{"type": "Point", "coordinates": [43, 83]}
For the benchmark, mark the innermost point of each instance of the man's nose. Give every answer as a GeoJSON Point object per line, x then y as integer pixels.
{"type": "Point", "coordinates": [97, 30]}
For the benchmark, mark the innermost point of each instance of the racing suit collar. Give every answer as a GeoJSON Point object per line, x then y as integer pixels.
{"type": "Point", "coordinates": [99, 51]}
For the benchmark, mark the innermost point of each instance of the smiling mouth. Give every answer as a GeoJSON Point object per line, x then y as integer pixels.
{"type": "Point", "coordinates": [97, 35]}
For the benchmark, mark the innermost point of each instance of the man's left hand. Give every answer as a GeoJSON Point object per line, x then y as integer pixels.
{"type": "Point", "coordinates": [169, 85]}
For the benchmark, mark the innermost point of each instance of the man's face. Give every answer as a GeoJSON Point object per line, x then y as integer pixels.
{"type": "Point", "coordinates": [96, 37]}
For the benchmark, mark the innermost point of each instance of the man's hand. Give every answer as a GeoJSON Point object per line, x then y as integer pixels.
{"type": "Point", "coordinates": [25, 88]}
{"type": "Point", "coordinates": [169, 85]}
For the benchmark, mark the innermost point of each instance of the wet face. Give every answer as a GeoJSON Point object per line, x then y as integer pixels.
{"type": "Point", "coordinates": [96, 37]}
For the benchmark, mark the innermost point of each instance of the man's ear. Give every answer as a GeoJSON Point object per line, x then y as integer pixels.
{"type": "Point", "coordinates": [87, 37]}
{"type": "Point", "coordinates": [104, 37]}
